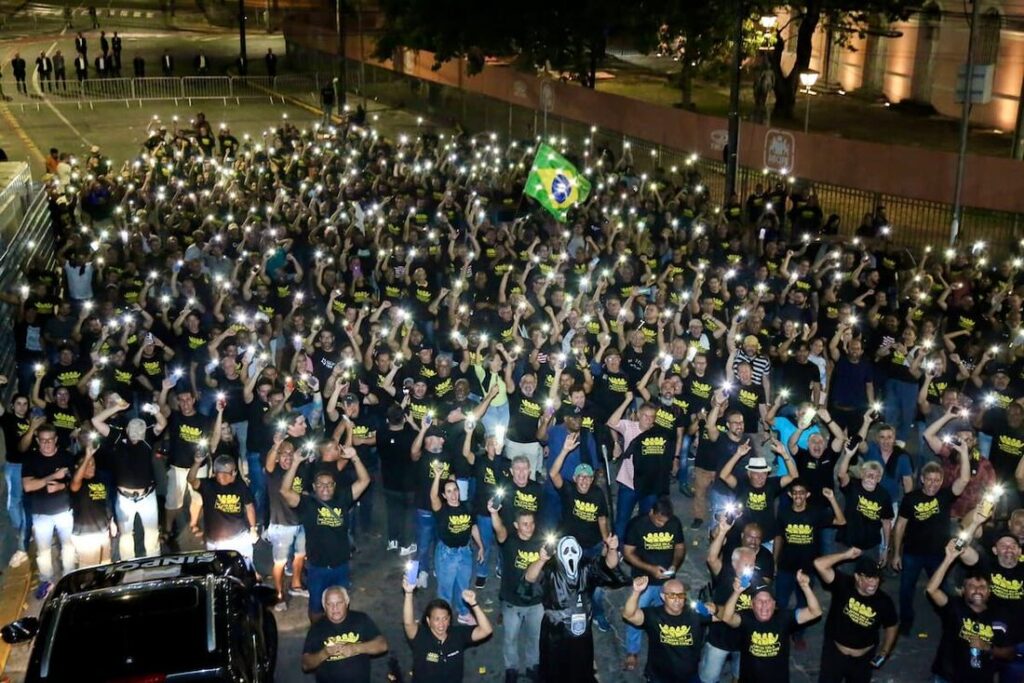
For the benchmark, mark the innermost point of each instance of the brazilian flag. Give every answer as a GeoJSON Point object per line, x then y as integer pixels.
{"type": "Point", "coordinates": [555, 183]}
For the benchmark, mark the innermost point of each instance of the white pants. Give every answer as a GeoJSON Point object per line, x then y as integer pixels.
{"type": "Point", "coordinates": [177, 487]}
{"type": "Point", "coordinates": [92, 548]}
{"type": "Point", "coordinates": [146, 509]}
{"type": "Point", "coordinates": [43, 528]}
{"type": "Point", "coordinates": [532, 451]}
{"type": "Point", "coordinates": [242, 543]}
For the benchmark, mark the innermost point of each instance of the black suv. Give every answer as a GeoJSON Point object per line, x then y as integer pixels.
{"type": "Point", "coordinates": [189, 617]}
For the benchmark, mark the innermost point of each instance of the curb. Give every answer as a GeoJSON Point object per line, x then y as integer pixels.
{"type": "Point", "coordinates": [14, 587]}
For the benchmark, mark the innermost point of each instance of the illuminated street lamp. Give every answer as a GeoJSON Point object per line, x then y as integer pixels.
{"type": "Point", "coordinates": [807, 79]}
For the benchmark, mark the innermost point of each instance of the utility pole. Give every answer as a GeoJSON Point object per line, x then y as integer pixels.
{"type": "Point", "coordinates": [965, 124]}
{"type": "Point", "coordinates": [343, 84]}
{"type": "Point", "coordinates": [733, 145]}
{"type": "Point", "coordinates": [241, 30]}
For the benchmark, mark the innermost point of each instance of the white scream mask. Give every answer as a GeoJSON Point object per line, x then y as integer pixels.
{"type": "Point", "coordinates": [569, 555]}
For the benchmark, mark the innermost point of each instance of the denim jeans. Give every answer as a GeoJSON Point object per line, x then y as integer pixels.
{"type": "Point", "coordinates": [713, 661]}
{"type": "Point", "coordinates": [43, 528]}
{"type": "Point", "coordinates": [319, 579]}
{"type": "Point", "coordinates": [426, 534]}
{"type": "Point", "coordinates": [16, 503]}
{"type": "Point", "coordinates": [399, 509]}
{"type": "Point", "coordinates": [486, 527]}
{"type": "Point", "coordinates": [125, 510]}
{"type": "Point", "coordinates": [522, 625]}
{"type": "Point", "coordinates": [241, 430]}
{"type": "Point", "coordinates": [900, 406]}
{"type": "Point", "coordinates": [454, 567]}
{"type": "Point", "coordinates": [597, 602]}
{"type": "Point", "coordinates": [912, 566]}
{"type": "Point", "coordinates": [718, 501]}
{"type": "Point", "coordinates": [651, 597]}
{"type": "Point", "coordinates": [624, 504]}
{"type": "Point", "coordinates": [496, 416]}
{"type": "Point", "coordinates": [785, 586]}
{"type": "Point", "coordinates": [258, 485]}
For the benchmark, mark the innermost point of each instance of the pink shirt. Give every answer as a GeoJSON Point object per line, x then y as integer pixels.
{"type": "Point", "coordinates": [629, 429]}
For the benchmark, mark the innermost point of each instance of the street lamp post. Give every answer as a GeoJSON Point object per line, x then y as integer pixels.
{"type": "Point", "coordinates": [733, 144]}
{"type": "Point", "coordinates": [807, 79]}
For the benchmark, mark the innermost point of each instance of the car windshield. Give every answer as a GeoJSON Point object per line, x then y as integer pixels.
{"type": "Point", "coordinates": [104, 636]}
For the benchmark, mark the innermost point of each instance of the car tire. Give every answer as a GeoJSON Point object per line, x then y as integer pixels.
{"type": "Point", "coordinates": [270, 643]}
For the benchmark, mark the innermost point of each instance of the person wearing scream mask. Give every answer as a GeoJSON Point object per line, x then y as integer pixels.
{"type": "Point", "coordinates": [764, 630]}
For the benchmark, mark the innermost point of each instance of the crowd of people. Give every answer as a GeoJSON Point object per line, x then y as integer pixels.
{"type": "Point", "coordinates": [261, 339]}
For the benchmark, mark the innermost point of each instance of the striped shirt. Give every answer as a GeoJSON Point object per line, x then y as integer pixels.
{"type": "Point", "coordinates": [760, 365]}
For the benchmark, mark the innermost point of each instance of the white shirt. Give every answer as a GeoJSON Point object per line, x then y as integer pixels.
{"type": "Point", "coordinates": [79, 283]}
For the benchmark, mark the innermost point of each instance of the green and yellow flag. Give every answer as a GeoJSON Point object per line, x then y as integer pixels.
{"type": "Point", "coordinates": [555, 183]}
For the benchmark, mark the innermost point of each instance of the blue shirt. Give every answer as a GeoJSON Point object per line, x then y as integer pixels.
{"type": "Point", "coordinates": [893, 484]}
{"type": "Point", "coordinates": [585, 453]}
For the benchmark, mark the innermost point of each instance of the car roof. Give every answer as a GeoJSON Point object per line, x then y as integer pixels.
{"type": "Point", "coordinates": [196, 565]}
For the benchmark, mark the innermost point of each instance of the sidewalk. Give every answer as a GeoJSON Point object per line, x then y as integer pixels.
{"type": "Point", "coordinates": [655, 79]}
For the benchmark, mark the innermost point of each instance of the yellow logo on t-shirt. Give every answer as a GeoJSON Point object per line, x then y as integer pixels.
{"type": "Point", "coordinates": [342, 639]}
{"type": "Point", "coordinates": [765, 644]}
{"type": "Point", "coordinates": [459, 524]}
{"type": "Point", "coordinates": [1010, 445]}
{"type": "Point", "coordinates": [332, 517]}
{"type": "Point", "coordinates": [926, 510]}
{"type": "Point", "coordinates": [97, 491]}
{"type": "Point", "coordinates": [1006, 589]}
{"type": "Point", "coordinates": [675, 636]}
{"type": "Point", "coordinates": [859, 613]}
{"type": "Point", "coordinates": [653, 445]}
{"type": "Point", "coordinates": [228, 503]}
{"type": "Point", "coordinates": [525, 501]}
{"type": "Point", "coordinates": [970, 629]}
{"type": "Point", "coordinates": [189, 434]}
{"type": "Point", "coordinates": [659, 540]}
{"type": "Point", "coordinates": [869, 508]}
{"type": "Point", "coordinates": [757, 501]}
{"type": "Point", "coordinates": [799, 534]}
{"type": "Point", "coordinates": [584, 511]}
{"type": "Point", "coordinates": [524, 558]}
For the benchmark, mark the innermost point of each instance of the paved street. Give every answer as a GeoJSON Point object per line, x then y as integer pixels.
{"type": "Point", "coordinates": [118, 129]}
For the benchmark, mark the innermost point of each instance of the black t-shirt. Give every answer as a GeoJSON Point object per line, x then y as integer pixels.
{"type": "Point", "coordinates": [224, 508]}
{"type": "Point", "coordinates": [655, 545]}
{"type": "Point", "coordinates": [260, 437]}
{"type": "Point", "coordinates": [674, 643]}
{"type": "Point", "coordinates": [184, 433]}
{"type": "Point", "coordinates": [652, 452]}
{"type": "Point", "coordinates": [234, 408]}
{"type": "Point", "coordinates": [1006, 586]}
{"type": "Point", "coordinates": [758, 505]}
{"type": "Point", "coordinates": [864, 512]}
{"type": "Point", "coordinates": [423, 475]}
{"type": "Point", "coordinates": [798, 377]}
{"type": "Point", "coordinates": [801, 535]}
{"type": "Point", "coordinates": [855, 620]}
{"type": "Point", "coordinates": [454, 525]}
{"type": "Point", "coordinates": [928, 523]}
{"type": "Point", "coordinates": [580, 512]}
{"type": "Point", "coordinates": [396, 466]}
{"type": "Point", "coordinates": [14, 428]}
{"type": "Point", "coordinates": [817, 473]}
{"type": "Point", "coordinates": [529, 498]}
{"type": "Point", "coordinates": [524, 414]}
{"type": "Point", "coordinates": [953, 658]}
{"type": "Point", "coordinates": [324, 522]}
{"type": "Point", "coordinates": [92, 507]}
{"type": "Point", "coordinates": [765, 651]}
{"type": "Point", "coordinates": [36, 465]}
{"type": "Point", "coordinates": [435, 661]}
{"type": "Point", "coordinates": [131, 463]}
{"type": "Point", "coordinates": [488, 476]}
{"type": "Point", "coordinates": [355, 629]}
{"type": "Point", "coordinates": [516, 556]}
{"type": "Point", "coordinates": [280, 512]}
{"type": "Point", "coordinates": [747, 399]}
{"type": "Point", "coordinates": [1007, 448]}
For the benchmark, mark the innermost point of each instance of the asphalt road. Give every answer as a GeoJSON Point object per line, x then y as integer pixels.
{"type": "Point", "coordinates": [118, 130]}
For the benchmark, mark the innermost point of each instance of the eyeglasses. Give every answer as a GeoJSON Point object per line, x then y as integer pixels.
{"type": "Point", "coordinates": [675, 596]}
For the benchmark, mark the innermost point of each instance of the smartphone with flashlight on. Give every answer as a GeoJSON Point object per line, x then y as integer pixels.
{"type": "Point", "coordinates": [412, 571]}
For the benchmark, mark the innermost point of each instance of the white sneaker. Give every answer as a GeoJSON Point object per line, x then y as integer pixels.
{"type": "Point", "coordinates": [392, 545]}
{"type": "Point", "coordinates": [408, 550]}
{"type": "Point", "coordinates": [19, 558]}
{"type": "Point", "coordinates": [421, 580]}
{"type": "Point", "coordinates": [281, 606]}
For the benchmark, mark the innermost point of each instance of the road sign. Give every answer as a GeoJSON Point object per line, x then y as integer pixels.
{"type": "Point", "coordinates": [779, 151]}
{"type": "Point", "coordinates": [981, 83]}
